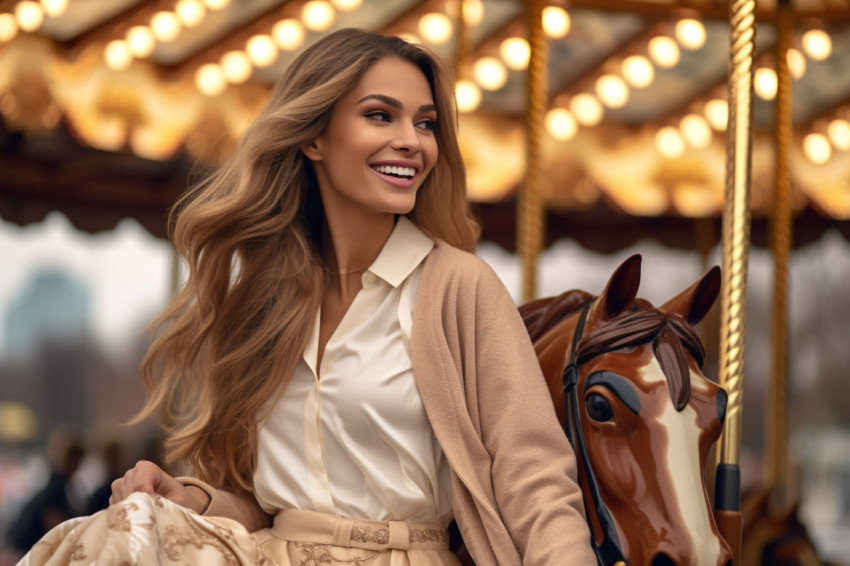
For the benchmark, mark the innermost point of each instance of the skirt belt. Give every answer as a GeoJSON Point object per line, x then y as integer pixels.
{"type": "Point", "coordinates": [322, 528]}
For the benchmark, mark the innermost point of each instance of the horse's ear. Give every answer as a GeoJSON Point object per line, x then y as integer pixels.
{"type": "Point", "coordinates": [621, 290]}
{"type": "Point", "coordinates": [693, 303]}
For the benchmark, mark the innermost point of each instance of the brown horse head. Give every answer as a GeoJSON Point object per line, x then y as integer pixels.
{"type": "Point", "coordinates": [641, 415]}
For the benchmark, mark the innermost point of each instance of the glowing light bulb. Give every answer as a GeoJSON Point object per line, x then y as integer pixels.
{"type": "Point", "coordinates": [638, 71]}
{"type": "Point", "coordinates": [490, 73]}
{"type": "Point", "coordinates": [669, 142]}
{"type": "Point", "coordinates": [690, 33]}
{"type": "Point", "coordinates": [765, 83]}
{"type": "Point", "coordinates": [796, 63]}
{"type": "Point", "coordinates": [556, 22]}
{"type": "Point", "coordinates": [30, 15]}
{"type": "Point", "coordinates": [664, 51]}
{"type": "Point", "coordinates": [54, 8]}
{"type": "Point", "coordinates": [8, 27]}
{"type": "Point", "coordinates": [318, 15]}
{"type": "Point", "coordinates": [165, 26]}
{"type": "Point", "coordinates": [236, 67]}
{"type": "Point", "coordinates": [210, 79]}
{"type": "Point", "coordinates": [288, 34]}
{"type": "Point", "coordinates": [612, 91]}
{"type": "Point", "coordinates": [839, 134]}
{"type": "Point", "coordinates": [346, 5]}
{"type": "Point", "coordinates": [141, 41]}
{"type": "Point", "coordinates": [216, 5]}
{"type": "Point", "coordinates": [118, 55]}
{"type": "Point", "coordinates": [435, 28]}
{"type": "Point", "coordinates": [696, 131]}
{"type": "Point", "coordinates": [473, 12]}
{"type": "Point", "coordinates": [561, 124]}
{"type": "Point", "coordinates": [515, 52]}
{"type": "Point", "coordinates": [717, 113]}
{"type": "Point", "coordinates": [190, 12]}
{"type": "Point", "coordinates": [586, 109]}
{"type": "Point", "coordinates": [817, 44]}
{"type": "Point", "coordinates": [468, 95]}
{"type": "Point", "coordinates": [262, 50]}
{"type": "Point", "coordinates": [817, 148]}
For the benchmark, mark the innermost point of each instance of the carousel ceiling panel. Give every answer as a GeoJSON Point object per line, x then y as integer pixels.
{"type": "Point", "coordinates": [64, 110]}
{"type": "Point", "coordinates": [82, 16]}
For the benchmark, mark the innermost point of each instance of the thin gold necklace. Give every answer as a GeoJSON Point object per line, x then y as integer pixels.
{"type": "Point", "coordinates": [345, 271]}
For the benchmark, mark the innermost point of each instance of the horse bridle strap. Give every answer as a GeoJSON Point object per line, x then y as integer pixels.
{"type": "Point", "coordinates": [608, 551]}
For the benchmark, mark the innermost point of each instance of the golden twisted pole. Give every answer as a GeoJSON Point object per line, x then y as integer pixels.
{"type": "Point", "coordinates": [776, 419]}
{"type": "Point", "coordinates": [736, 242]}
{"type": "Point", "coordinates": [530, 222]}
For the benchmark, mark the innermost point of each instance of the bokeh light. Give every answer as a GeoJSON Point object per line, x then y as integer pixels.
{"type": "Point", "coordinates": [556, 22]}
{"type": "Point", "coordinates": [638, 71]}
{"type": "Point", "coordinates": [664, 51]}
{"type": "Point", "coordinates": [587, 109]}
{"type": "Point", "coordinates": [515, 52]}
{"type": "Point", "coordinates": [435, 28]}
{"type": "Point", "coordinates": [669, 142]}
{"type": "Point", "coordinates": [561, 124]}
{"type": "Point", "coordinates": [318, 15]}
{"type": "Point", "coordinates": [612, 91]}
{"type": "Point", "coordinates": [490, 73]}
{"type": "Point", "coordinates": [690, 33]}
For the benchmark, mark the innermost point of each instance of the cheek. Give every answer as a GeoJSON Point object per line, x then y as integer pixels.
{"type": "Point", "coordinates": [431, 151]}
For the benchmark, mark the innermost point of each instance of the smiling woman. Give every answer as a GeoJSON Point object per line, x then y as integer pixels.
{"type": "Point", "coordinates": [359, 379]}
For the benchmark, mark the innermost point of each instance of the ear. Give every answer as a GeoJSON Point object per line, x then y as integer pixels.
{"type": "Point", "coordinates": [621, 290]}
{"type": "Point", "coordinates": [311, 150]}
{"type": "Point", "coordinates": [693, 303]}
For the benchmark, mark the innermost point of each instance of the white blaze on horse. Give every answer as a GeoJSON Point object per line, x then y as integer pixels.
{"type": "Point", "coordinates": [627, 383]}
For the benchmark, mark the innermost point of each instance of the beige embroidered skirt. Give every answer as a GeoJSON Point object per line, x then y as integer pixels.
{"type": "Point", "coordinates": [151, 530]}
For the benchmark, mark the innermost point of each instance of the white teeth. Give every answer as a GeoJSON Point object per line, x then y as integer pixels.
{"type": "Point", "coordinates": [394, 170]}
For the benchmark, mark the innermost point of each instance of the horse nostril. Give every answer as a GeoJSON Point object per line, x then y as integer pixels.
{"type": "Point", "coordinates": [662, 559]}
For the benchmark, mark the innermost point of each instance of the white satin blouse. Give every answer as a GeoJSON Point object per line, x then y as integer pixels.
{"type": "Point", "coordinates": [357, 442]}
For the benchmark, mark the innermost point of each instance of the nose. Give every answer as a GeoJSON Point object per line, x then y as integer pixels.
{"type": "Point", "coordinates": [406, 138]}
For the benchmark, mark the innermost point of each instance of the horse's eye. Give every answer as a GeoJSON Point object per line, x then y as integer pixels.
{"type": "Point", "coordinates": [598, 408]}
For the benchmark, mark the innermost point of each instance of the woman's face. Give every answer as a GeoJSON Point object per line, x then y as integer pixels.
{"type": "Point", "coordinates": [380, 142]}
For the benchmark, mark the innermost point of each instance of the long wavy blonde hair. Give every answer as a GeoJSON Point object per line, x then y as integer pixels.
{"type": "Point", "coordinates": [250, 234]}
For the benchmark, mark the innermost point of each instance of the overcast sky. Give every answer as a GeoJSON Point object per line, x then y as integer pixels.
{"type": "Point", "coordinates": [126, 271]}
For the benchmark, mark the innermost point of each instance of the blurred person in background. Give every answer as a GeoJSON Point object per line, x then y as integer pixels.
{"type": "Point", "coordinates": [55, 502]}
{"type": "Point", "coordinates": [115, 464]}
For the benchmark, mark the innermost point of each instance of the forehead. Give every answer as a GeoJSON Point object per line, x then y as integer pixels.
{"type": "Point", "coordinates": [394, 77]}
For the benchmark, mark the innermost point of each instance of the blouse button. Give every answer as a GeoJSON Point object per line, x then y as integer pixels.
{"type": "Point", "coordinates": [369, 278]}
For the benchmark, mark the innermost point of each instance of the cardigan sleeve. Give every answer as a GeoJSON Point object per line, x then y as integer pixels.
{"type": "Point", "coordinates": [533, 465]}
{"type": "Point", "coordinates": [241, 508]}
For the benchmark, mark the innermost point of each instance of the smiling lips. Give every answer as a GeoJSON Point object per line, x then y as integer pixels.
{"type": "Point", "coordinates": [397, 175]}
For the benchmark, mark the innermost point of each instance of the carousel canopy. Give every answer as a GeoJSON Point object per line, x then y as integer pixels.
{"type": "Point", "coordinates": [107, 107]}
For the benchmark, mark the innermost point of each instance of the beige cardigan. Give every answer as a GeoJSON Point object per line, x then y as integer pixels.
{"type": "Point", "coordinates": [516, 499]}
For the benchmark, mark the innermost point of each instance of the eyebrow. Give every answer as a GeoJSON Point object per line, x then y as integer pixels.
{"type": "Point", "coordinates": [394, 102]}
{"type": "Point", "coordinates": [618, 385]}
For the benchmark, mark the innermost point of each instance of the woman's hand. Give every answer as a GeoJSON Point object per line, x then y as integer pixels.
{"type": "Point", "coordinates": [149, 478]}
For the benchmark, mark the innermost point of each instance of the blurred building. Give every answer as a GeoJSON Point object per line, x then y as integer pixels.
{"type": "Point", "coordinates": [53, 307]}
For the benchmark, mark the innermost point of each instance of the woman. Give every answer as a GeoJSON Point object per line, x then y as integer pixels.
{"type": "Point", "coordinates": [337, 358]}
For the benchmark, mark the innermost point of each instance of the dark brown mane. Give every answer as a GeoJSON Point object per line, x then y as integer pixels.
{"type": "Point", "coordinates": [542, 314]}
{"type": "Point", "coordinates": [670, 337]}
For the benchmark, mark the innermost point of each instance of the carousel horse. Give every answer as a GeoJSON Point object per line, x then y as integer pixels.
{"type": "Point", "coordinates": [625, 378]}
{"type": "Point", "coordinates": [774, 537]}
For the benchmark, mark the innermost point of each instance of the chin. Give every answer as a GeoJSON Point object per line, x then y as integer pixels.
{"type": "Point", "coordinates": [399, 207]}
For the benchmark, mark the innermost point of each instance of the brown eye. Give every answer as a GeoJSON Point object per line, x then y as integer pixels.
{"type": "Point", "coordinates": [598, 408]}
